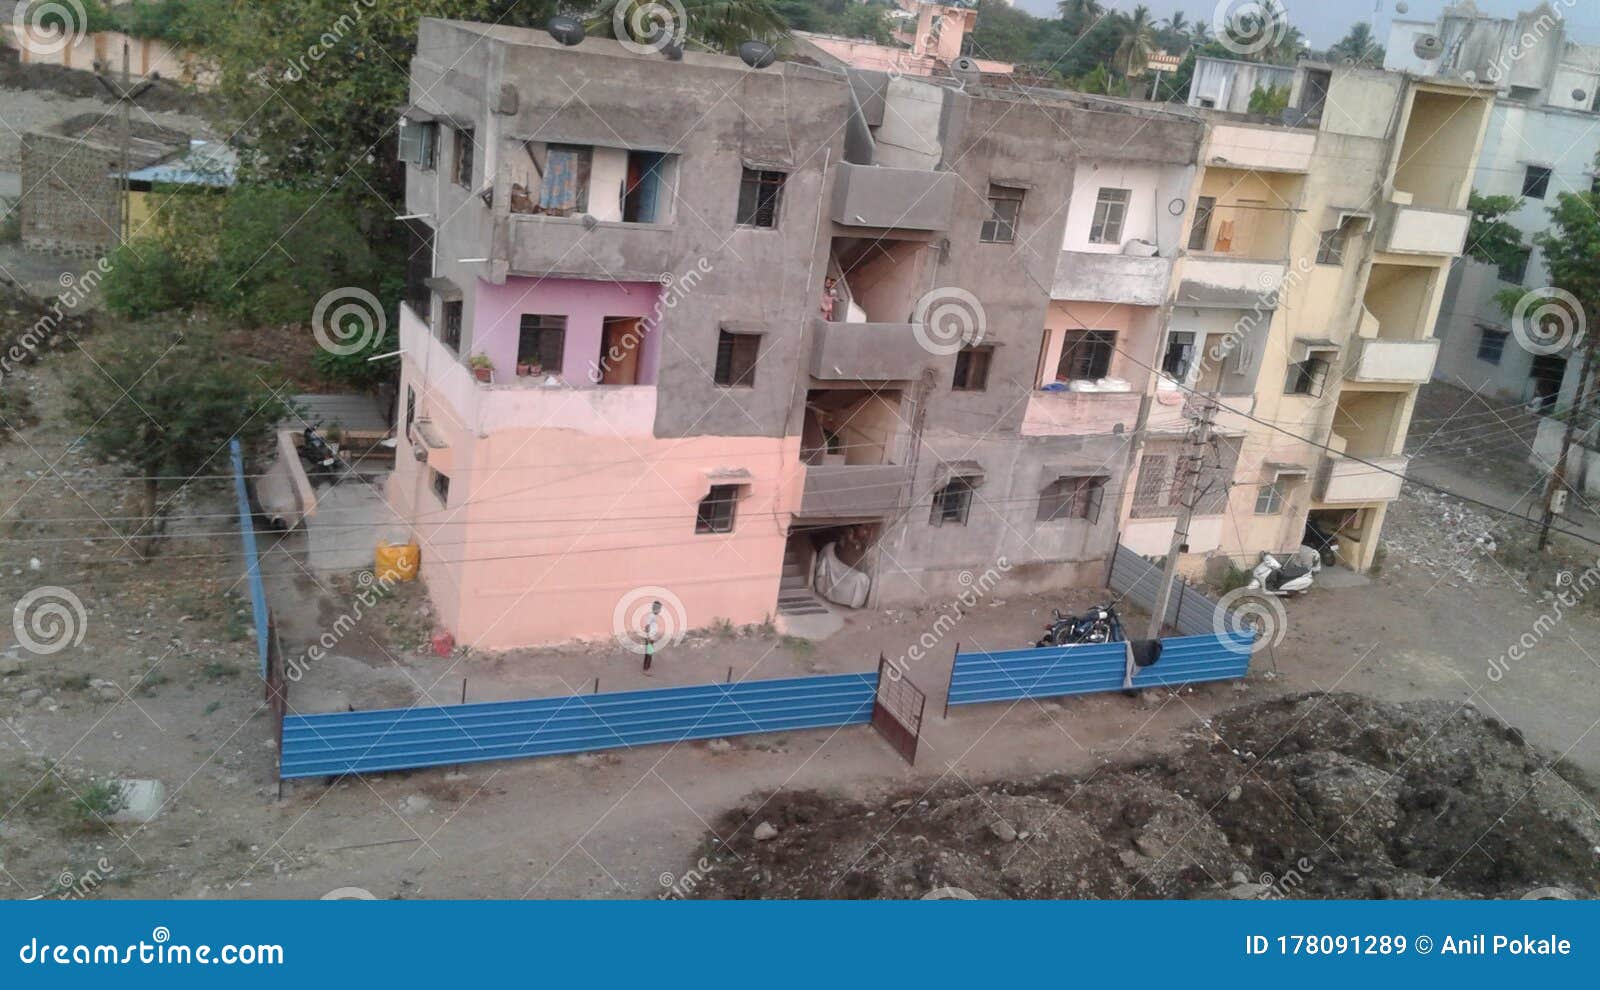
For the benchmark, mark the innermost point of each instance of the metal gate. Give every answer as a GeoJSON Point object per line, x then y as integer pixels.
{"type": "Point", "coordinates": [897, 708]}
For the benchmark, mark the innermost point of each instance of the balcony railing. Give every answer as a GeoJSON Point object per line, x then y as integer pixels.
{"type": "Point", "coordinates": [893, 198]}
{"type": "Point", "coordinates": [1066, 414]}
{"type": "Point", "coordinates": [851, 491]}
{"type": "Point", "coordinates": [1270, 149]}
{"type": "Point", "coordinates": [560, 247]}
{"type": "Point", "coordinates": [1407, 229]}
{"type": "Point", "coordinates": [1112, 278]}
{"type": "Point", "coordinates": [871, 352]}
{"type": "Point", "coordinates": [1378, 360]}
{"type": "Point", "coordinates": [1342, 480]}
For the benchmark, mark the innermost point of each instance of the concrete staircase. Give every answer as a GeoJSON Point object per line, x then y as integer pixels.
{"type": "Point", "coordinates": [794, 589]}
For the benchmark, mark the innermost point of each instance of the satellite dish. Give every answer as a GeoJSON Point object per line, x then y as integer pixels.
{"type": "Point", "coordinates": [1579, 96]}
{"type": "Point", "coordinates": [1427, 47]}
{"type": "Point", "coordinates": [966, 69]}
{"type": "Point", "coordinates": [566, 30]}
{"type": "Point", "coordinates": [1402, 7]}
{"type": "Point", "coordinates": [757, 54]}
{"type": "Point", "coordinates": [1469, 76]}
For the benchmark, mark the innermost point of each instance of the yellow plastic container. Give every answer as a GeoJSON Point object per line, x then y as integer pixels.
{"type": "Point", "coordinates": [395, 562]}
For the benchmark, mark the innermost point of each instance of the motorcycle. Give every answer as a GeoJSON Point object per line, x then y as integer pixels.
{"type": "Point", "coordinates": [1100, 624]}
{"type": "Point", "coordinates": [1293, 577]}
{"type": "Point", "coordinates": [315, 451]}
{"type": "Point", "coordinates": [1324, 540]}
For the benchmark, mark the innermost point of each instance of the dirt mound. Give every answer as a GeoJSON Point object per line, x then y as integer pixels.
{"type": "Point", "coordinates": [165, 94]}
{"type": "Point", "coordinates": [1315, 795]}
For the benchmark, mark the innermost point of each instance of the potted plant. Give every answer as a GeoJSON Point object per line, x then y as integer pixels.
{"type": "Point", "coordinates": [482, 367]}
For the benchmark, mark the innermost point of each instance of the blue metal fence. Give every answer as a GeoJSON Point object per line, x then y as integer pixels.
{"type": "Point", "coordinates": [1057, 671]}
{"type": "Point", "coordinates": [404, 739]}
{"type": "Point", "coordinates": [252, 559]}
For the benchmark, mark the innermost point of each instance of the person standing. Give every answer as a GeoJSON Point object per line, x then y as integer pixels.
{"type": "Point", "coordinates": [652, 633]}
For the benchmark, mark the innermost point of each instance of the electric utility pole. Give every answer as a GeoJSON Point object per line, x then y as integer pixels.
{"type": "Point", "coordinates": [1187, 479]}
{"type": "Point", "coordinates": [124, 95]}
{"type": "Point", "coordinates": [1558, 477]}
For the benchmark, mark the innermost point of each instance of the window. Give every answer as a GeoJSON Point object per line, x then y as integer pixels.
{"type": "Point", "coordinates": [645, 189]}
{"type": "Point", "coordinates": [1201, 231]}
{"type": "Point", "coordinates": [1536, 182]}
{"type": "Point", "coordinates": [1005, 207]}
{"type": "Point", "coordinates": [1523, 94]}
{"type": "Point", "coordinates": [1179, 358]}
{"type": "Point", "coordinates": [1154, 489]}
{"type": "Point", "coordinates": [1492, 345]}
{"type": "Point", "coordinates": [1515, 268]}
{"type": "Point", "coordinates": [542, 340]}
{"type": "Point", "coordinates": [715, 514]}
{"type": "Point", "coordinates": [1330, 250]}
{"type": "Point", "coordinates": [1306, 377]}
{"type": "Point", "coordinates": [419, 266]}
{"type": "Point", "coordinates": [952, 502]}
{"type": "Point", "coordinates": [1085, 354]}
{"type": "Point", "coordinates": [461, 169]}
{"type": "Point", "coordinates": [760, 194]}
{"type": "Point", "coordinates": [1269, 499]}
{"type": "Point", "coordinates": [736, 359]}
{"type": "Point", "coordinates": [441, 486]}
{"type": "Point", "coordinates": [1110, 211]}
{"type": "Point", "coordinates": [419, 143]}
{"type": "Point", "coordinates": [1072, 498]}
{"type": "Point", "coordinates": [972, 369]}
{"type": "Point", "coordinates": [450, 328]}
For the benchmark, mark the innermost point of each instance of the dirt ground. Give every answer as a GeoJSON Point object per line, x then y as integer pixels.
{"type": "Point", "coordinates": [162, 685]}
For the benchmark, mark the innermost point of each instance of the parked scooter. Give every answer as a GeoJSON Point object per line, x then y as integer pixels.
{"type": "Point", "coordinates": [1285, 578]}
{"type": "Point", "coordinates": [1100, 624]}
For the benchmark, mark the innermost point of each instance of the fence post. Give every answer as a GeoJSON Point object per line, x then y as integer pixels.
{"type": "Point", "coordinates": [463, 690]}
{"type": "Point", "coordinates": [1177, 617]}
{"type": "Point", "coordinates": [951, 682]}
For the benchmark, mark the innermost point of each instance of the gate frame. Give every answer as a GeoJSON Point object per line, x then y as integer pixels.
{"type": "Point", "coordinates": [902, 737]}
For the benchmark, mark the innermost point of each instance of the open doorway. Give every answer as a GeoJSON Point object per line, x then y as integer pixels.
{"type": "Point", "coordinates": [1545, 374]}
{"type": "Point", "coordinates": [827, 564]}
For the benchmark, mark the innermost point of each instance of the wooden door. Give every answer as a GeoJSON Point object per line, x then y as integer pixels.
{"type": "Point", "coordinates": [620, 340]}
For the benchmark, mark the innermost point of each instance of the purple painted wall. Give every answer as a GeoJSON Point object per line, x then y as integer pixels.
{"type": "Point", "coordinates": [498, 310]}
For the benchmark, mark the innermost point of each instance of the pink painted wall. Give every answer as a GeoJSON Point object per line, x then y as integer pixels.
{"type": "Point", "coordinates": [498, 310]}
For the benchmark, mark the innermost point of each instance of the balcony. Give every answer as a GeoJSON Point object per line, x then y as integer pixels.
{"type": "Point", "coordinates": [1111, 278]}
{"type": "Point", "coordinates": [1068, 414]}
{"type": "Point", "coordinates": [605, 410]}
{"type": "Point", "coordinates": [872, 352]}
{"type": "Point", "coordinates": [1409, 361]}
{"type": "Point", "coordinates": [1265, 149]}
{"type": "Point", "coordinates": [893, 198]}
{"type": "Point", "coordinates": [1407, 229]}
{"type": "Point", "coordinates": [1341, 480]}
{"type": "Point", "coordinates": [851, 491]}
{"type": "Point", "coordinates": [564, 247]}
{"type": "Point", "coordinates": [1228, 282]}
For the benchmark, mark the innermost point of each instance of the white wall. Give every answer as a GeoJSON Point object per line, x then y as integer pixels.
{"type": "Point", "coordinates": [1153, 188]}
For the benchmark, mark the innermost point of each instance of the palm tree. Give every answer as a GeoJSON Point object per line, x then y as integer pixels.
{"type": "Point", "coordinates": [1138, 40]}
{"type": "Point", "coordinates": [1358, 46]}
{"type": "Point", "coordinates": [1200, 31]}
{"type": "Point", "coordinates": [1178, 23]}
{"type": "Point", "coordinates": [1084, 13]}
{"type": "Point", "coordinates": [718, 24]}
{"type": "Point", "coordinates": [1286, 50]}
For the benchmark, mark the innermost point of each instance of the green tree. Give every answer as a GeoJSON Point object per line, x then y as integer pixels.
{"type": "Point", "coordinates": [1270, 100]}
{"type": "Point", "coordinates": [1083, 15]}
{"type": "Point", "coordinates": [1357, 47]}
{"type": "Point", "coordinates": [1490, 238]}
{"type": "Point", "coordinates": [1008, 34]}
{"type": "Point", "coordinates": [1138, 40]}
{"type": "Point", "coordinates": [163, 403]}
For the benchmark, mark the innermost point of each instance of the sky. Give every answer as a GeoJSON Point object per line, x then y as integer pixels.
{"type": "Point", "coordinates": [1324, 22]}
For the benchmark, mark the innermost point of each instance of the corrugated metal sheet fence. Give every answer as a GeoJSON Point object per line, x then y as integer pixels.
{"type": "Point", "coordinates": [403, 739]}
{"type": "Point", "coordinates": [1139, 581]}
{"type": "Point", "coordinates": [1057, 671]}
{"type": "Point", "coordinates": [252, 558]}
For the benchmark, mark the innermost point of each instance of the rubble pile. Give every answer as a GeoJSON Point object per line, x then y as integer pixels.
{"type": "Point", "coordinates": [1443, 534]}
{"type": "Point", "coordinates": [1315, 796]}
